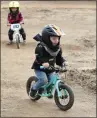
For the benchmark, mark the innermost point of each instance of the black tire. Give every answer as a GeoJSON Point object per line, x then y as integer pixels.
{"type": "Point", "coordinates": [18, 41]}
{"type": "Point", "coordinates": [28, 85]}
{"type": "Point", "coordinates": [71, 98]}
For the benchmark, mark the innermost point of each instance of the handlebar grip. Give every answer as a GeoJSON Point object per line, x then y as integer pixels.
{"type": "Point", "coordinates": [8, 25]}
{"type": "Point", "coordinates": [42, 67]}
{"type": "Point", "coordinates": [22, 23]}
{"type": "Point", "coordinates": [64, 70]}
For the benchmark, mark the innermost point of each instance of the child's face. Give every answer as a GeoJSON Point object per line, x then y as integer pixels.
{"type": "Point", "coordinates": [54, 40]}
{"type": "Point", "coordinates": [13, 9]}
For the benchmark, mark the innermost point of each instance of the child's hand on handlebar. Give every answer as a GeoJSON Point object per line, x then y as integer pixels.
{"type": "Point", "coordinates": [65, 64]}
{"type": "Point", "coordinates": [8, 24]}
{"type": "Point", "coordinates": [46, 65]}
{"type": "Point", "coordinates": [21, 23]}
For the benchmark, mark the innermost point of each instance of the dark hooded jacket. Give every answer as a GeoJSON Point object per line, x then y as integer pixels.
{"type": "Point", "coordinates": [44, 54]}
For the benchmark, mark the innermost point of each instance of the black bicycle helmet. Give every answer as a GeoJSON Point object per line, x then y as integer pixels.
{"type": "Point", "coordinates": [51, 30]}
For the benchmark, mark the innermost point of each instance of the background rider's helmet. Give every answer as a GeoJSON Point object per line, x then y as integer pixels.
{"type": "Point", "coordinates": [14, 4]}
{"type": "Point", "coordinates": [51, 30]}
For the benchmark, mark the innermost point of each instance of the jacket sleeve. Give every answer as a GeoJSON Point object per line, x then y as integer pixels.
{"type": "Point", "coordinates": [39, 54]}
{"type": "Point", "coordinates": [21, 19]}
{"type": "Point", "coordinates": [59, 58]}
{"type": "Point", "coordinates": [8, 19]}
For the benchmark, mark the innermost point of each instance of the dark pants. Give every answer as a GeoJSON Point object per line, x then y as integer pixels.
{"type": "Point", "coordinates": [22, 32]}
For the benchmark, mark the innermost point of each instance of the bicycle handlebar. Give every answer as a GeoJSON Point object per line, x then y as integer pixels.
{"type": "Point", "coordinates": [20, 24]}
{"type": "Point", "coordinates": [56, 69]}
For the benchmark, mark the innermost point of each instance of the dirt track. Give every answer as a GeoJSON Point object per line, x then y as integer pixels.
{"type": "Point", "coordinates": [78, 20]}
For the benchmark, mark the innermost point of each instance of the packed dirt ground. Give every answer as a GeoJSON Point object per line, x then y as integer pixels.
{"type": "Point", "coordinates": [78, 20]}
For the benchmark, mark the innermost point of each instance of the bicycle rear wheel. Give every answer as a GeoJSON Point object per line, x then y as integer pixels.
{"type": "Point", "coordinates": [29, 83]}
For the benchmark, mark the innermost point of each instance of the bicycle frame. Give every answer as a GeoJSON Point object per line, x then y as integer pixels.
{"type": "Point", "coordinates": [54, 84]}
{"type": "Point", "coordinates": [16, 28]}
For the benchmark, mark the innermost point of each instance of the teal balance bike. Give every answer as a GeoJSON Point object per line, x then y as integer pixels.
{"type": "Point", "coordinates": [63, 94]}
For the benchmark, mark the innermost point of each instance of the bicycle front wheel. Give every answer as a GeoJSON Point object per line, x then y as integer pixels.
{"type": "Point", "coordinates": [18, 41]}
{"type": "Point", "coordinates": [66, 101]}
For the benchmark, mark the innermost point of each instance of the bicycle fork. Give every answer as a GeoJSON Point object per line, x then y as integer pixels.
{"type": "Point", "coordinates": [57, 87]}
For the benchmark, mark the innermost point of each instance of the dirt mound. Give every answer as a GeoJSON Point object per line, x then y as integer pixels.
{"type": "Point", "coordinates": [85, 78]}
{"type": "Point", "coordinates": [88, 42]}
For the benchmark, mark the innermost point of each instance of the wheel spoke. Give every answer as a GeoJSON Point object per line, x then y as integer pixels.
{"type": "Point", "coordinates": [63, 100]}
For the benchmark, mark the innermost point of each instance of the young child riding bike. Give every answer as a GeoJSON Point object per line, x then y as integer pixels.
{"type": "Point", "coordinates": [48, 52]}
{"type": "Point", "coordinates": [15, 16]}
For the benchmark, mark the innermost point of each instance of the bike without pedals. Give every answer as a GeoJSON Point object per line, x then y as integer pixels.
{"type": "Point", "coordinates": [17, 36]}
{"type": "Point", "coordinates": [63, 94]}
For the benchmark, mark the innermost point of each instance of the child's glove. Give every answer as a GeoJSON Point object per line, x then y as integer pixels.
{"type": "Point", "coordinates": [65, 63]}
